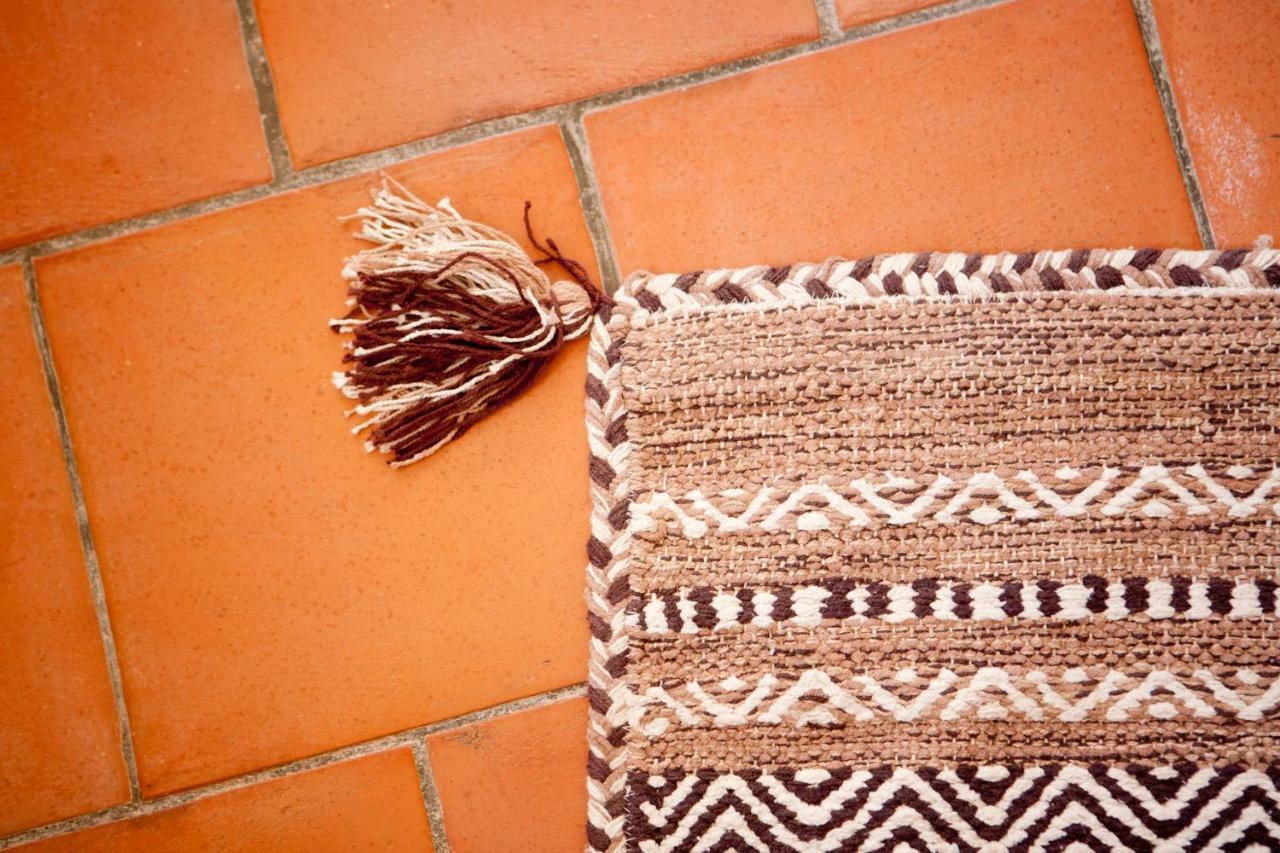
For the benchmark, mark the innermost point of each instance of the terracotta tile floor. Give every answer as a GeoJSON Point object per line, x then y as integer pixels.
{"type": "Point", "coordinates": [368, 803]}
{"type": "Point", "coordinates": [57, 719]}
{"type": "Point", "coordinates": [516, 776]}
{"type": "Point", "coordinates": [855, 12]}
{"type": "Point", "coordinates": [303, 594]}
{"type": "Point", "coordinates": [151, 104]}
{"type": "Point", "coordinates": [1223, 75]}
{"type": "Point", "coordinates": [338, 97]}
{"type": "Point", "coordinates": [963, 153]}
{"type": "Point", "coordinates": [262, 638]}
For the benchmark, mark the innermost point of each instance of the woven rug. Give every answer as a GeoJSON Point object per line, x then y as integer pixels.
{"type": "Point", "coordinates": [916, 552]}
{"type": "Point", "coordinates": [938, 552]}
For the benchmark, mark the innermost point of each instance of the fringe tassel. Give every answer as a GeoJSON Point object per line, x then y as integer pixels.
{"type": "Point", "coordinates": [450, 319]}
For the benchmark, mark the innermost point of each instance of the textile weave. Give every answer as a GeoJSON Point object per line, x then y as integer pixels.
{"type": "Point", "coordinates": [938, 552]}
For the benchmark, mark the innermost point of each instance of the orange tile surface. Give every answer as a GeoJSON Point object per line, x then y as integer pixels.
{"type": "Point", "coordinates": [516, 782]}
{"type": "Point", "coordinates": [854, 12]}
{"type": "Point", "coordinates": [351, 78]}
{"type": "Point", "coordinates": [59, 741]}
{"type": "Point", "coordinates": [942, 143]}
{"type": "Point", "coordinates": [1226, 76]}
{"type": "Point", "coordinates": [370, 803]}
{"type": "Point", "coordinates": [116, 109]}
{"type": "Point", "coordinates": [275, 591]}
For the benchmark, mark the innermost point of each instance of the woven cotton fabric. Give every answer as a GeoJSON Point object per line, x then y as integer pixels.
{"type": "Point", "coordinates": [938, 552]}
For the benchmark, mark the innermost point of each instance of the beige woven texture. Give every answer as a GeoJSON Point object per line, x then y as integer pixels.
{"type": "Point", "coordinates": [866, 558]}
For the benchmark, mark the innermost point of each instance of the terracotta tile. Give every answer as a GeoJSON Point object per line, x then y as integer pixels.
{"type": "Point", "coordinates": [126, 108]}
{"type": "Point", "coordinates": [855, 12]}
{"type": "Point", "coordinates": [59, 741]}
{"type": "Point", "coordinates": [351, 80]}
{"type": "Point", "coordinates": [370, 803]}
{"type": "Point", "coordinates": [907, 141]}
{"type": "Point", "coordinates": [1225, 73]}
{"type": "Point", "coordinates": [517, 782]}
{"type": "Point", "coordinates": [275, 590]}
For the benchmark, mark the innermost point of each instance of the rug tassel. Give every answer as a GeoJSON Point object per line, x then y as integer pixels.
{"type": "Point", "coordinates": [450, 319]}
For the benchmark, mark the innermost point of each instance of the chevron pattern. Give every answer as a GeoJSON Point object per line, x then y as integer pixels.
{"type": "Point", "coordinates": [815, 697]}
{"type": "Point", "coordinates": [607, 591]}
{"type": "Point", "coordinates": [983, 497]}
{"type": "Point", "coordinates": [954, 274]}
{"type": "Point", "coordinates": [1183, 807]}
{"type": "Point", "coordinates": [886, 553]}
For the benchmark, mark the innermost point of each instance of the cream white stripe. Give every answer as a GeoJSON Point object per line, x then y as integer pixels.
{"type": "Point", "coordinates": [986, 602]}
{"type": "Point", "coordinates": [983, 498]}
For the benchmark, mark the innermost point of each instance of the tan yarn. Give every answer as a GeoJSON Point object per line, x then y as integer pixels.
{"type": "Point", "coordinates": [916, 551]}
{"type": "Point", "coordinates": [450, 319]}
{"type": "Point", "coordinates": [929, 549]}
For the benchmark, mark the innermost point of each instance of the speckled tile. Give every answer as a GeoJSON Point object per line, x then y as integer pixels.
{"type": "Point", "coordinates": [370, 803]}
{"type": "Point", "coordinates": [275, 591]}
{"type": "Point", "coordinates": [855, 12]}
{"type": "Point", "coordinates": [516, 782]}
{"type": "Point", "coordinates": [907, 141]}
{"type": "Point", "coordinates": [125, 108]}
{"type": "Point", "coordinates": [438, 66]}
{"type": "Point", "coordinates": [1226, 73]}
{"type": "Point", "coordinates": [59, 739]}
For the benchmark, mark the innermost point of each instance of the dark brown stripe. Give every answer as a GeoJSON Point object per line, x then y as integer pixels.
{"type": "Point", "coordinates": [617, 431]}
{"type": "Point", "coordinates": [687, 280]}
{"type": "Point", "coordinates": [730, 292]}
{"type": "Point", "coordinates": [1231, 259]}
{"type": "Point", "coordinates": [596, 391]}
{"type": "Point", "coordinates": [817, 288]}
{"type": "Point", "coordinates": [777, 275]}
{"type": "Point", "coordinates": [601, 472]}
{"type": "Point", "coordinates": [1108, 277]}
{"type": "Point", "coordinates": [1144, 258]}
{"type": "Point", "coordinates": [1051, 279]}
{"type": "Point", "coordinates": [782, 609]}
{"type": "Point", "coordinates": [648, 301]}
{"type": "Point", "coordinates": [1184, 276]}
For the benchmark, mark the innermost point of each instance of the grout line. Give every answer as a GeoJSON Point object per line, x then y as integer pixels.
{"type": "Point", "coordinates": [313, 176]}
{"type": "Point", "coordinates": [928, 14]}
{"type": "Point", "coordinates": [373, 161]}
{"type": "Point", "coordinates": [574, 134]}
{"type": "Point", "coordinates": [430, 796]}
{"type": "Point", "coordinates": [828, 19]}
{"type": "Point", "coordinates": [732, 67]}
{"type": "Point", "coordinates": [132, 225]}
{"type": "Point", "coordinates": [255, 53]}
{"type": "Point", "coordinates": [569, 117]}
{"type": "Point", "coordinates": [406, 738]}
{"type": "Point", "coordinates": [539, 700]}
{"type": "Point", "coordinates": [93, 569]}
{"type": "Point", "coordinates": [1146, 16]}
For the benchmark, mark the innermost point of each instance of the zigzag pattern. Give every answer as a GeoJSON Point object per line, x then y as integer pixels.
{"type": "Point", "coordinates": [956, 275]}
{"type": "Point", "coordinates": [608, 590]}
{"type": "Point", "coordinates": [814, 697]}
{"type": "Point", "coordinates": [969, 808]}
{"type": "Point", "coordinates": [692, 610]}
{"type": "Point", "coordinates": [984, 498]}
{"type": "Point", "coordinates": [688, 806]}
